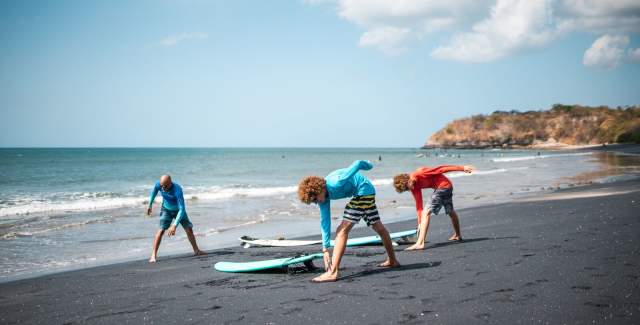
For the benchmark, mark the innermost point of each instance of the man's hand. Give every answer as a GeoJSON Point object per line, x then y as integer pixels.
{"type": "Point", "coordinates": [149, 211]}
{"type": "Point", "coordinates": [468, 169]}
{"type": "Point", "coordinates": [172, 230]}
{"type": "Point", "coordinates": [326, 256]}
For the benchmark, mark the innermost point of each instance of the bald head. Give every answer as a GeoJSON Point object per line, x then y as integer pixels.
{"type": "Point", "coordinates": [165, 182]}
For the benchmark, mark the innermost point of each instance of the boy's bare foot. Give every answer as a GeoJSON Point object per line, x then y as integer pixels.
{"type": "Point", "coordinates": [325, 277]}
{"type": "Point", "coordinates": [455, 238]}
{"type": "Point", "coordinates": [389, 264]}
{"type": "Point", "coordinates": [152, 259]}
{"type": "Point", "coordinates": [199, 252]}
{"type": "Point", "coordinates": [415, 247]}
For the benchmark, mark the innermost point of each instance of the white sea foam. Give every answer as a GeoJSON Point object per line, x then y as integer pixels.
{"type": "Point", "coordinates": [523, 158]}
{"type": "Point", "coordinates": [75, 202]}
{"type": "Point", "coordinates": [382, 182]}
{"type": "Point", "coordinates": [218, 193]}
{"type": "Point", "coordinates": [61, 202]}
{"type": "Point", "coordinates": [30, 233]}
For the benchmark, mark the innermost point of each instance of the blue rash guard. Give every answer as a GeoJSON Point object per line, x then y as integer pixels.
{"type": "Point", "coordinates": [171, 200]}
{"type": "Point", "coordinates": [343, 183]}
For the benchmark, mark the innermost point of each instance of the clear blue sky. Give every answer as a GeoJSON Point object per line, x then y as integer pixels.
{"type": "Point", "coordinates": [293, 73]}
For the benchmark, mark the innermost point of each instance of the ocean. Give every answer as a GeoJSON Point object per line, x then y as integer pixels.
{"type": "Point", "coordinates": [63, 209]}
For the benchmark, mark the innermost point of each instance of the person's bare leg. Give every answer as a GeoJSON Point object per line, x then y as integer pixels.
{"type": "Point", "coordinates": [388, 246]}
{"type": "Point", "coordinates": [192, 240]}
{"type": "Point", "coordinates": [342, 234]}
{"type": "Point", "coordinates": [424, 227]}
{"type": "Point", "coordinates": [156, 245]}
{"type": "Point", "coordinates": [455, 221]}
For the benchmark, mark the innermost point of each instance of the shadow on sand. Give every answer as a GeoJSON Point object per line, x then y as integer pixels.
{"type": "Point", "coordinates": [385, 270]}
{"type": "Point", "coordinates": [464, 241]}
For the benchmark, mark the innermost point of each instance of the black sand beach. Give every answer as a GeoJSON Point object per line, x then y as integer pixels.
{"type": "Point", "coordinates": [569, 257]}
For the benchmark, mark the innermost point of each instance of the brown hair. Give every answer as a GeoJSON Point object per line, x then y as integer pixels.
{"type": "Point", "coordinates": [309, 188]}
{"type": "Point", "coordinates": [401, 182]}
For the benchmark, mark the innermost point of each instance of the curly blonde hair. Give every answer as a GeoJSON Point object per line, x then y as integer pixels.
{"type": "Point", "coordinates": [401, 182]}
{"type": "Point", "coordinates": [309, 188]}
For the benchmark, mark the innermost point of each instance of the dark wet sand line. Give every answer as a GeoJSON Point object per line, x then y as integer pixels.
{"type": "Point", "coordinates": [568, 261]}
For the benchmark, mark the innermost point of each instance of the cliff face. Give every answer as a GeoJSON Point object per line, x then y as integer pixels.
{"type": "Point", "coordinates": [561, 125]}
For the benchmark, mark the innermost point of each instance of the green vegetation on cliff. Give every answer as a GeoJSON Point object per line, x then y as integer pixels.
{"type": "Point", "coordinates": [561, 125]}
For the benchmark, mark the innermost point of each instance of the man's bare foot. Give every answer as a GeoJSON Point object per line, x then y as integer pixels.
{"type": "Point", "coordinates": [455, 238]}
{"type": "Point", "coordinates": [415, 247]}
{"type": "Point", "coordinates": [199, 252]}
{"type": "Point", "coordinates": [389, 264]}
{"type": "Point", "coordinates": [152, 259]}
{"type": "Point", "coordinates": [325, 277]}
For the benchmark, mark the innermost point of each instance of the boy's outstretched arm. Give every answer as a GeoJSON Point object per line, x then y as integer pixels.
{"type": "Point", "coordinates": [417, 196]}
{"type": "Point", "coordinates": [355, 167]}
{"type": "Point", "coordinates": [445, 169]}
{"type": "Point", "coordinates": [325, 228]}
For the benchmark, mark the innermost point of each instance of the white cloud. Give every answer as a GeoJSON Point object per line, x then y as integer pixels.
{"type": "Point", "coordinates": [599, 16]}
{"type": "Point", "coordinates": [317, 2]}
{"type": "Point", "coordinates": [606, 52]}
{"type": "Point", "coordinates": [513, 25]}
{"type": "Point", "coordinates": [174, 39]}
{"type": "Point", "coordinates": [483, 30]}
{"type": "Point", "coordinates": [389, 40]}
{"type": "Point", "coordinates": [634, 55]}
{"type": "Point", "coordinates": [392, 25]}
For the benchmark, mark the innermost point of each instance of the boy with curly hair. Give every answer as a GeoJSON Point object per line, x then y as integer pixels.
{"type": "Point", "coordinates": [442, 196]}
{"type": "Point", "coordinates": [339, 184]}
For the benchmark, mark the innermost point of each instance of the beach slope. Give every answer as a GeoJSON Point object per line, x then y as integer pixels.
{"type": "Point", "coordinates": [572, 256]}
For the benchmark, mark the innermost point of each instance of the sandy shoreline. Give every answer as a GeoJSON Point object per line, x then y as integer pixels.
{"type": "Point", "coordinates": [574, 259]}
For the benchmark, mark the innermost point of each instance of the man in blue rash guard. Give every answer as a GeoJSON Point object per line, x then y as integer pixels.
{"type": "Point", "coordinates": [172, 213]}
{"type": "Point", "coordinates": [343, 183]}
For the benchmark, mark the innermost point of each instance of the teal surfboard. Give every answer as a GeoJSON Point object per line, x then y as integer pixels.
{"type": "Point", "coordinates": [376, 239]}
{"type": "Point", "coordinates": [263, 265]}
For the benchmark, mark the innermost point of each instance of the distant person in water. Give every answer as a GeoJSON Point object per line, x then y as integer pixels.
{"type": "Point", "coordinates": [172, 213]}
{"type": "Point", "coordinates": [340, 184]}
{"type": "Point", "coordinates": [442, 196]}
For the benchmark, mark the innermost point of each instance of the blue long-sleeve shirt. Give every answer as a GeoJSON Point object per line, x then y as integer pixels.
{"type": "Point", "coordinates": [342, 183]}
{"type": "Point", "coordinates": [173, 199]}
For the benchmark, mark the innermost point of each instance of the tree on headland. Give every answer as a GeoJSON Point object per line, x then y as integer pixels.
{"type": "Point", "coordinates": [560, 125]}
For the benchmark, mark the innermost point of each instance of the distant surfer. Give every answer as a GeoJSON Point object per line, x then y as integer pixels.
{"type": "Point", "coordinates": [442, 196]}
{"type": "Point", "coordinates": [340, 184]}
{"type": "Point", "coordinates": [172, 213]}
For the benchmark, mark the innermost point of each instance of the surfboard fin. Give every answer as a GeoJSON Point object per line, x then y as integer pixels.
{"type": "Point", "coordinates": [297, 268]}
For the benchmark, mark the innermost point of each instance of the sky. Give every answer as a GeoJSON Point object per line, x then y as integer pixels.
{"type": "Point", "coordinates": [300, 73]}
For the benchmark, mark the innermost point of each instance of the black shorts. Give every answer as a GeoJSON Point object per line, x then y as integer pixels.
{"type": "Point", "coordinates": [362, 207]}
{"type": "Point", "coordinates": [442, 197]}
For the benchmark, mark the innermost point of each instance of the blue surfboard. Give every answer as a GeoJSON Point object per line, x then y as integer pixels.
{"type": "Point", "coordinates": [263, 265]}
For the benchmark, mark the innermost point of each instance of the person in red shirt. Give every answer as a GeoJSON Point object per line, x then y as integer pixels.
{"type": "Point", "coordinates": [434, 178]}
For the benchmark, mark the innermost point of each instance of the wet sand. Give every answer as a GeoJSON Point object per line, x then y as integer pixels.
{"type": "Point", "coordinates": [572, 256]}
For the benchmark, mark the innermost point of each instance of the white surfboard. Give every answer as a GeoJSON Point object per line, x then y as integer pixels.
{"type": "Point", "coordinates": [250, 241]}
{"type": "Point", "coordinates": [368, 240]}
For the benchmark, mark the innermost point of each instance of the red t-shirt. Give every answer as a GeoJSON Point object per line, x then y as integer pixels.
{"type": "Point", "coordinates": [425, 177]}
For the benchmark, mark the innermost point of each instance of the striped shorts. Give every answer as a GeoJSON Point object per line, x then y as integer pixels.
{"type": "Point", "coordinates": [362, 207]}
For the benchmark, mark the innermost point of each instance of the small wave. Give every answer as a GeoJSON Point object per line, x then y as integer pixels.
{"type": "Point", "coordinates": [522, 158]}
{"type": "Point", "coordinates": [227, 193]}
{"type": "Point", "coordinates": [214, 231]}
{"type": "Point", "coordinates": [87, 202]}
{"type": "Point", "coordinates": [37, 206]}
{"type": "Point", "coordinates": [114, 239]}
{"type": "Point", "coordinates": [381, 182]}
{"type": "Point", "coordinates": [14, 234]}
